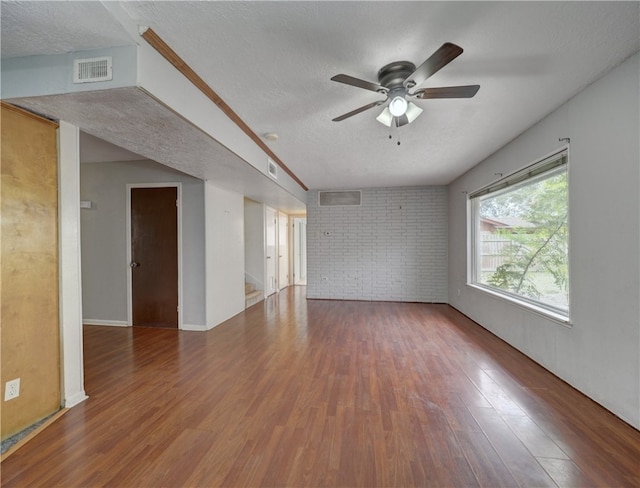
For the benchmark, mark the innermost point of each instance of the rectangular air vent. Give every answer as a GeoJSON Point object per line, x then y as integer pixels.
{"type": "Point", "coordinates": [91, 70]}
{"type": "Point", "coordinates": [272, 168]}
{"type": "Point", "coordinates": [339, 198]}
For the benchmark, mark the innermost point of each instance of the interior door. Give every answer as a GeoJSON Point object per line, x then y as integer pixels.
{"type": "Point", "coordinates": [283, 250]}
{"type": "Point", "coordinates": [154, 257]}
{"type": "Point", "coordinates": [271, 250]}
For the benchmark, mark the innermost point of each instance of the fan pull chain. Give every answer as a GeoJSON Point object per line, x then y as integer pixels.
{"type": "Point", "coordinates": [391, 137]}
{"type": "Point", "coordinates": [397, 127]}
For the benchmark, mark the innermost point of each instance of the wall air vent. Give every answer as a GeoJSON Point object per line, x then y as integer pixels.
{"type": "Point", "coordinates": [339, 198]}
{"type": "Point", "coordinates": [272, 168]}
{"type": "Point", "coordinates": [91, 70]}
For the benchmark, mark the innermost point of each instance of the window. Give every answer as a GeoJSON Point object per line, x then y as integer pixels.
{"type": "Point", "coordinates": [520, 236]}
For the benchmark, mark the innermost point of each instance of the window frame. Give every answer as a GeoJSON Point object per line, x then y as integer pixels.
{"type": "Point", "coordinates": [542, 167]}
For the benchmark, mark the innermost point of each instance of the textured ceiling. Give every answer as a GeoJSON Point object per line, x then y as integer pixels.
{"type": "Point", "coordinates": [272, 63]}
{"type": "Point", "coordinates": [30, 28]}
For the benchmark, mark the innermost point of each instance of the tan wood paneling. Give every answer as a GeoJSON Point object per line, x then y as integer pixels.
{"type": "Point", "coordinates": [30, 331]}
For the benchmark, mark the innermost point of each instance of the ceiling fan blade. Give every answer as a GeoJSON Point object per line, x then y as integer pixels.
{"type": "Point", "coordinates": [358, 110]}
{"type": "Point", "coordinates": [448, 92]}
{"type": "Point", "coordinates": [357, 82]}
{"type": "Point", "coordinates": [443, 56]}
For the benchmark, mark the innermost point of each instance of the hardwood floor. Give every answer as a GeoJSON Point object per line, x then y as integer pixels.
{"type": "Point", "coordinates": [324, 393]}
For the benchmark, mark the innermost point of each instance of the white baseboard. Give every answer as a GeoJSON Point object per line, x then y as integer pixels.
{"type": "Point", "coordinates": [111, 323]}
{"type": "Point", "coordinates": [121, 323]}
{"type": "Point", "coordinates": [197, 328]}
{"type": "Point", "coordinates": [75, 399]}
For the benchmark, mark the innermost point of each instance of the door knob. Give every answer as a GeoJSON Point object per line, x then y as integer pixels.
{"type": "Point", "coordinates": [134, 264]}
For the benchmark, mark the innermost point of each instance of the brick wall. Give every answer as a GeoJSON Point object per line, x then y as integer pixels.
{"type": "Point", "coordinates": [393, 247]}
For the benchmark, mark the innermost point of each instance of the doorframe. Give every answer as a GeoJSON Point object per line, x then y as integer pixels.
{"type": "Point", "coordinates": [267, 289]}
{"type": "Point", "coordinates": [130, 186]}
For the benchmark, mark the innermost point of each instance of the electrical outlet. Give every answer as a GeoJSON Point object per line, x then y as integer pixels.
{"type": "Point", "coordinates": [12, 389]}
{"type": "Point", "coordinates": [324, 278]}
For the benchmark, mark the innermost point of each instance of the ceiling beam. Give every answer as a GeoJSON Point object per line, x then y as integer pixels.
{"type": "Point", "coordinates": [170, 55]}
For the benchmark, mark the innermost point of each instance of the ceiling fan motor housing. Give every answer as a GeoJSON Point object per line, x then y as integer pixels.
{"type": "Point", "coordinates": [393, 74]}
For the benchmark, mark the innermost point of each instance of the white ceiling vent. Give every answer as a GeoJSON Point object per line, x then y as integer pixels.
{"type": "Point", "coordinates": [272, 168]}
{"type": "Point", "coordinates": [339, 198]}
{"type": "Point", "coordinates": [91, 70]}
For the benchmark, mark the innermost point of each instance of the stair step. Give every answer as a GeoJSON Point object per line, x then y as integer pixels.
{"type": "Point", "coordinates": [248, 288]}
{"type": "Point", "coordinates": [252, 298]}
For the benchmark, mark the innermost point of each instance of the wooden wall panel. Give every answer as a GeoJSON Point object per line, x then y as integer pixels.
{"type": "Point", "coordinates": [29, 321]}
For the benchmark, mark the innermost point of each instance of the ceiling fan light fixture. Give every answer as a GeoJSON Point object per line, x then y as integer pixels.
{"type": "Point", "coordinates": [411, 114]}
{"type": "Point", "coordinates": [398, 106]}
{"type": "Point", "coordinates": [385, 117]}
{"type": "Point", "coordinates": [413, 111]}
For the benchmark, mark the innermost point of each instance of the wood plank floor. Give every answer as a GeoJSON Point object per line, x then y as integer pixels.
{"type": "Point", "coordinates": [325, 393]}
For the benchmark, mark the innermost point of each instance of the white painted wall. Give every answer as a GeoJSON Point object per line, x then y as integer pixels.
{"type": "Point", "coordinates": [104, 247]}
{"type": "Point", "coordinates": [254, 243]}
{"type": "Point", "coordinates": [392, 248]}
{"type": "Point", "coordinates": [31, 76]}
{"type": "Point", "coordinates": [70, 267]}
{"type": "Point", "coordinates": [224, 262]}
{"type": "Point", "coordinates": [600, 353]}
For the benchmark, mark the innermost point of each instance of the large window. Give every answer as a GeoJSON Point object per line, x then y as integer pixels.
{"type": "Point", "coordinates": [520, 236]}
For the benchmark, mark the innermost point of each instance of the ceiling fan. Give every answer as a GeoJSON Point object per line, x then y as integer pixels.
{"type": "Point", "coordinates": [395, 80]}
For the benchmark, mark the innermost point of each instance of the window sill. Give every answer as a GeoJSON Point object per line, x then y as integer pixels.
{"type": "Point", "coordinates": [549, 314]}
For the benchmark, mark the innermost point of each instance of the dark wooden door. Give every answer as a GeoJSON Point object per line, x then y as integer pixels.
{"type": "Point", "coordinates": [154, 256]}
